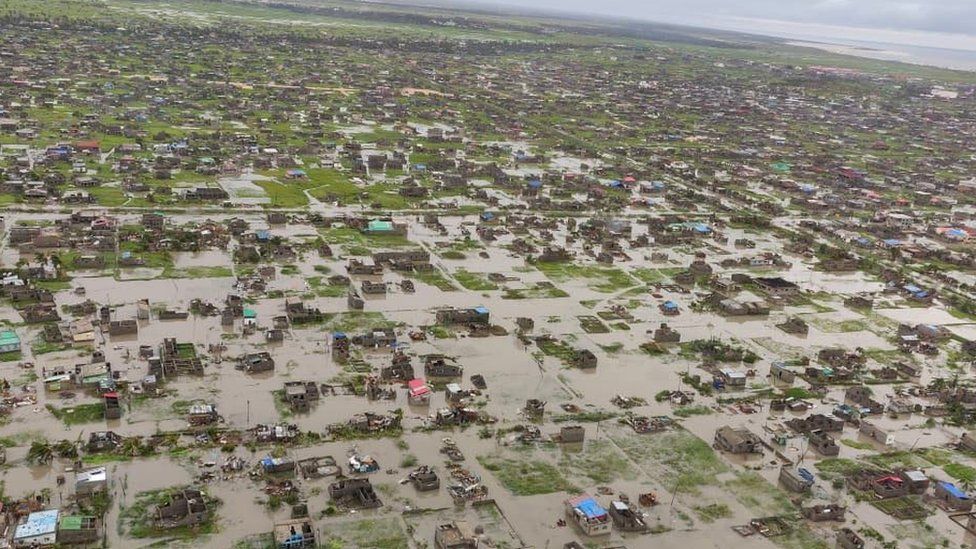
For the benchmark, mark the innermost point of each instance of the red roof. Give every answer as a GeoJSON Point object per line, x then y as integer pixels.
{"type": "Point", "coordinates": [88, 144]}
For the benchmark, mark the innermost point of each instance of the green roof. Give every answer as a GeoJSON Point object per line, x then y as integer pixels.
{"type": "Point", "coordinates": [9, 337]}
{"type": "Point", "coordinates": [377, 225]}
{"type": "Point", "coordinates": [249, 313]}
{"type": "Point", "coordinates": [72, 522]}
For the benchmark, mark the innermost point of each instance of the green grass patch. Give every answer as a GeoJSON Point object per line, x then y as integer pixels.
{"type": "Point", "coordinates": [600, 462]}
{"type": "Point", "coordinates": [82, 413]}
{"type": "Point", "coordinates": [526, 477]}
{"type": "Point", "coordinates": [752, 491]}
{"type": "Point", "coordinates": [356, 321]}
{"type": "Point", "coordinates": [284, 195]}
{"type": "Point", "coordinates": [689, 411]}
{"type": "Point", "coordinates": [435, 278]}
{"type": "Point", "coordinates": [600, 279]}
{"type": "Point", "coordinates": [376, 533]}
{"type": "Point", "coordinates": [856, 444]}
{"type": "Point", "coordinates": [348, 236]}
{"type": "Point", "coordinates": [711, 513]}
{"type": "Point", "coordinates": [476, 282]}
{"type": "Point", "coordinates": [11, 356]}
{"type": "Point", "coordinates": [831, 468]}
{"type": "Point", "coordinates": [680, 458]}
{"type": "Point", "coordinates": [542, 290]}
{"type": "Point", "coordinates": [960, 472]}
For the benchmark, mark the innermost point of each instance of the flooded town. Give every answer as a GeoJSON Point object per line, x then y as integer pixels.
{"type": "Point", "coordinates": [332, 274]}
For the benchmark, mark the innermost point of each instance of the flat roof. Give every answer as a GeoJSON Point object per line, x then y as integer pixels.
{"type": "Point", "coordinates": [39, 523]}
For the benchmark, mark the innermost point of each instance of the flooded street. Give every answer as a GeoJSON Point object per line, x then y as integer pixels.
{"type": "Point", "coordinates": [613, 458]}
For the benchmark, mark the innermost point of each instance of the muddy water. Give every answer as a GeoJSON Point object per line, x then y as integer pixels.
{"type": "Point", "coordinates": [511, 369]}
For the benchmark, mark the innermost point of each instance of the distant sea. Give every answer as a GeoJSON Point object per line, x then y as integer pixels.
{"type": "Point", "coordinates": [919, 55]}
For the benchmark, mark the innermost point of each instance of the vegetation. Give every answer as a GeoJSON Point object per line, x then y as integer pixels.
{"type": "Point", "coordinates": [526, 477]}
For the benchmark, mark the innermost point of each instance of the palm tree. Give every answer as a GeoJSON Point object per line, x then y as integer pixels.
{"type": "Point", "coordinates": [41, 453]}
{"type": "Point", "coordinates": [66, 449]}
{"type": "Point", "coordinates": [131, 446]}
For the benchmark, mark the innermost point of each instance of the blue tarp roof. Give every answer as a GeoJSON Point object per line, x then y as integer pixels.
{"type": "Point", "coordinates": [339, 335]}
{"type": "Point", "coordinates": [670, 305]}
{"type": "Point", "coordinates": [912, 288]}
{"type": "Point", "coordinates": [481, 310]}
{"type": "Point", "coordinates": [951, 488]}
{"type": "Point", "coordinates": [591, 508]}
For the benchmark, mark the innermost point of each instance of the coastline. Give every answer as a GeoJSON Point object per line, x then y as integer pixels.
{"type": "Point", "coordinates": [946, 59]}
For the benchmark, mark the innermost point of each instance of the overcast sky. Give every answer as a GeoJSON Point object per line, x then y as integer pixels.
{"type": "Point", "coordinates": [938, 23]}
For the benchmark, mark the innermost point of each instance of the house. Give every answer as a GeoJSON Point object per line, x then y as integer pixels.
{"type": "Point", "coordinates": [299, 395]}
{"type": "Point", "coordinates": [9, 342]}
{"type": "Point", "coordinates": [257, 362]}
{"type": "Point", "coordinates": [373, 288]}
{"type": "Point", "coordinates": [823, 443]}
{"type": "Point", "coordinates": [627, 517]}
{"type": "Point", "coordinates": [273, 465]}
{"type": "Point", "coordinates": [78, 529]}
{"type": "Point", "coordinates": [821, 513]}
{"type": "Point", "coordinates": [377, 337]}
{"type": "Point", "coordinates": [296, 533]}
{"type": "Point", "coordinates": [664, 334]}
{"type": "Point", "coordinates": [777, 286]}
{"type": "Point", "coordinates": [732, 378]}
{"type": "Point", "coordinates": [123, 327]}
{"type": "Point", "coordinates": [111, 402]}
{"type": "Point", "coordinates": [875, 433]}
{"type": "Point", "coordinates": [794, 325]}
{"type": "Point", "coordinates": [951, 497]}
{"type": "Point", "coordinates": [797, 480]}
{"type": "Point", "coordinates": [418, 392]}
{"type": "Point", "coordinates": [424, 479]}
{"type": "Point", "coordinates": [153, 221]}
{"type": "Point", "coordinates": [781, 373]}
{"type": "Point", "coordinates": [572, 433]}
{"type": "Point", "coordinates": [915, 481]}
{"type": "Point", "coordinates": [183, 508]}
{"type": "Point", "coordinates": [848, 539]}
{"type": "Point", "coordinates": [968, 441]}
{"type": "Point", "coordinates": [455, 535]}
{"type": "Point", "coordinates": [202, 414]}
{"type": "Point", "coordinates": [438, 366]}
{"type": "Point", "coordinates": [280, 432]}
{"type": "Point", "coordinates": [816, 422]}
{"type": "Point", "coordinates": [586, 513]}
{"type": "Point", "coordinates": [39, 530]}
{"type": "Point", "coordinates": [737, 441]}
{"type": "Point", "coordinates": [400, 369]}
{"type": "Point", "coordinates": [475, 315]}
{"type": "Point", "coordinates": [103, 441]}
{"type": "Point", "coordinates": [885, 485]}
{"type": "Point", "coordinates": [354, 492]}
{"type": "Point", "coordinates": [534, 407]}
{"type": "Point", "coordinates": [584, 359]}
{"type": "Point", "coordinates": [861, 395]}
